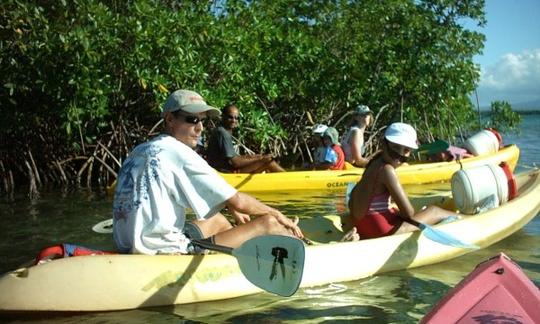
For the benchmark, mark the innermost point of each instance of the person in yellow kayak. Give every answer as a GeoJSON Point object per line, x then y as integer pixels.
{"type": "Point", "coordinates": [333, 157]}
{"type": "Point", "coordinates": [319, 148]}
{"type": "Point", "coordinates": [223, 156]}
{"type": "Point", "coordinates": [164, 176]}
{"type": "Point", "coordinates": [371, 214]}
{"type": "Point", "coordinates": [353, 141]}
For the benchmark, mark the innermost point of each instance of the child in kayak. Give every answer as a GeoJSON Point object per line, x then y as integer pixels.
{"type": "Point", "coordinates": [371, 214]}
{"type": "Point", "coordinates": [453, 153]}
{"type": "Point", "coordinates": [320, 149]}
{"type": "Point", "coordinates": [334, 158]}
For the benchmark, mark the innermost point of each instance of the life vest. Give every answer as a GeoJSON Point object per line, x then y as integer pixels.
{"type": "Point", "coordinates": [340, 163]}
{"type": "Point", "coordinates": [65, 250]}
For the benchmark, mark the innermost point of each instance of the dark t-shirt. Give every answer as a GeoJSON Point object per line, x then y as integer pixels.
{"type": "Point", "coordinates": [220, 150]}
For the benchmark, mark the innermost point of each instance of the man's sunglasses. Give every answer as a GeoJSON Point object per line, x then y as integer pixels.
{"type": "Point", "coordinates": [192, 119]}
{"type": "Point", "coordinates": [233, 117]}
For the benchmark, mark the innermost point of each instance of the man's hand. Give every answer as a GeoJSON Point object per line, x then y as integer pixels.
{"type": "Point", "coordinates": [240, 218]}
{"type": "Point", "coordinates": [287, 222]}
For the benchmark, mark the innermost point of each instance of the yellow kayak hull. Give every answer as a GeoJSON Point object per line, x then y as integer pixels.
{"type": "Point", "coordinates": [331, 180]}
{"type": "Point", "coordinates": [114, 282]}
{"type": "Point", "coordinates": [328, 180]}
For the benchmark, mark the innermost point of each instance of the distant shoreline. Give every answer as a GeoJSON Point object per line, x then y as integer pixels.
{"type": "Point", "coordinates": [532, 111]}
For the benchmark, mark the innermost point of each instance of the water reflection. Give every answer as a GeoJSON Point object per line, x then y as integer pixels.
{"type": "Point", "coordinates": [399, 297]}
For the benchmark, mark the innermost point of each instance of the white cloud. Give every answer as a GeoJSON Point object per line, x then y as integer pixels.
{"type": "Point", "coordinates": [514, 78]}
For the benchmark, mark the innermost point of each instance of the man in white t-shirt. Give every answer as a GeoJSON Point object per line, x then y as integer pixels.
{"type": "Point", "coordinates": [164, 176]}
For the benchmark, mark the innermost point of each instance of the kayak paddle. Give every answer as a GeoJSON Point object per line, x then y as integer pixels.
{"type": "Point", "coordinates": [433, 147]}
{"type": "Point", "coordinates": [274, 263]}
{"type": "Point", "coordinates": [440, 236]}
{"type": "Point", "coordinates": [104, 227]}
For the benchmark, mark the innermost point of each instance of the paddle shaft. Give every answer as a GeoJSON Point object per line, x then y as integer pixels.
{"type": "Point", "coordinates": [413, 222]}
{"type": "Point", "coordinates": [213, 247]}
{"type": "Point", "coordinates": [440, 236]}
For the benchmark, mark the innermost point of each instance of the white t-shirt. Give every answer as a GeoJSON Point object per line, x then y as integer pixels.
{"type": "Point", "coordinates": [157, 182]}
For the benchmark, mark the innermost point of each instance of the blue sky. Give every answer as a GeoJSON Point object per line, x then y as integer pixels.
{"type": "Point", "coordinates": [510, 61]}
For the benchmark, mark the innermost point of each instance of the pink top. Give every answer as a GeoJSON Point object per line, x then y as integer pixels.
{"type": "Point", "coordinates": [380, 202]}
{"type": "Point", "coordinates": [458, 153]}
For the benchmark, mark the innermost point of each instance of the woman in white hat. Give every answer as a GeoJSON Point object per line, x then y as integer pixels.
{"type": "Point", "coordinates": [353, 141]}
{"type": "Point", "coordinates": [371, 214]}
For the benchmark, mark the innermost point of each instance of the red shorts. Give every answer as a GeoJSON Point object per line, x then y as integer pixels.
{"type": "Point", "coordinates": [377, 224]}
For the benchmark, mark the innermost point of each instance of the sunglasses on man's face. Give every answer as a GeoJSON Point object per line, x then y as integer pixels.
{"type": "Point", "coordinates": [233, 117]}
{"type": "Point", "coordinates": [194, 119]}
{"type": "Point", "coordinates": [191, 119]}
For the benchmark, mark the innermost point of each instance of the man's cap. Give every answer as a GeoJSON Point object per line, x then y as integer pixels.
{"type": "Point", "coordinates": [319, 129]}
{"type": "Point", "coordinates": [332, 134]}
{"type": "Point", "coordinates": [402, 134]}
{"type": "Point", "coordinates": [190, 102]}
{"type": "Point", "coordinates": [362, 110]}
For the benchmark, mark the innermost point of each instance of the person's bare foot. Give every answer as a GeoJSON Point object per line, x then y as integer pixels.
{"type": "Point", "coordinates": [351, 236]}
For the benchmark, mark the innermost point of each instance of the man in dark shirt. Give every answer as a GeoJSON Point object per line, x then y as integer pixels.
{"type": "Point", "coordinates": [222, 155]}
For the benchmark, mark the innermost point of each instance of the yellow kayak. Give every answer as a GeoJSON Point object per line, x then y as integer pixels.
{"type": "Point", "coordinates": [326, 180]}
{"type": "Point", "coordinates": [115, 282]}
{"type": "Point", "coordinates": [419, 173]}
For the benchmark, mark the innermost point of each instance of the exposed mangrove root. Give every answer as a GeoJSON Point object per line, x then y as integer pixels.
{"type": "Point", "coordinates": [60, 164]}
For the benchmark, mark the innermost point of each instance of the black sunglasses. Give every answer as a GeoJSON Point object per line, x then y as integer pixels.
{"type": "Point", "coordinates": [192, 119]}
{"type": "Point", "coordinates": [233, 117]}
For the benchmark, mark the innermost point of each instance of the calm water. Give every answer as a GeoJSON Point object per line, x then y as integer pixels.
{"type": "Point", "coordinates": [398, 297]}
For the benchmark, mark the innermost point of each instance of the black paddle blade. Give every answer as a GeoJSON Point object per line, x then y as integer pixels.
{"type": "Point", "coordinates": [274, 263]}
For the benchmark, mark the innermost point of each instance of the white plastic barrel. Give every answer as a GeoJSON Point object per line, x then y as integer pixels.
{"type": "Point", "coordinates": [482, 188]}
{"type": "Point", "coordinates": [484, 142]}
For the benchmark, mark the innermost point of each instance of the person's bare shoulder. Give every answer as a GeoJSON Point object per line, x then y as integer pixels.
{"type": "Point", "coordinates": [388, 174]}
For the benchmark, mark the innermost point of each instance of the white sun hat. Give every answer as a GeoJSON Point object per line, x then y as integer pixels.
{"type": "Point", "coordinates": [319, 129]}
{"type": "Point", "coordinates": [402, 134]}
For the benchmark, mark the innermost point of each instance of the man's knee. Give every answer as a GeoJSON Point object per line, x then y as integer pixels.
{"type": "Point", "coordinates": [268, 221]}
{"type": "Point", "coordinates": [270, 225]}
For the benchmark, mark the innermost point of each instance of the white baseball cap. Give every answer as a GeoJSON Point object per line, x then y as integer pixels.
{"type": "Point", "coordinates": [319, 129]}
{"type": "Point", "coordinates": [402, 134]}
{"type": "Point", "coordinates": [188, 101]}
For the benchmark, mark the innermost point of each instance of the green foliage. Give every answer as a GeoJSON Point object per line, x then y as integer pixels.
{"type": "Point", "coordinates": [83, 65]}
{"type": "Point", "coordinates": [503, 117]}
